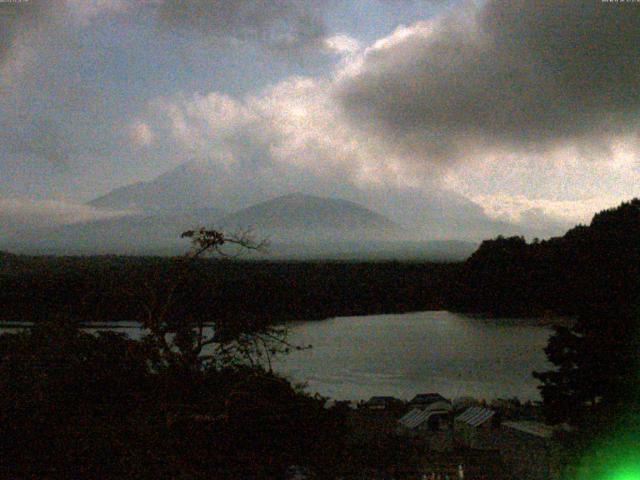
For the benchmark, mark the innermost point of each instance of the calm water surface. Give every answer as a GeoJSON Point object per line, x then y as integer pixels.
{"type": "Point", "coordinates": [400, 355]}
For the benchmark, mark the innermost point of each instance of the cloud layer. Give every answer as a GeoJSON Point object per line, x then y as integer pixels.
{"type": "Point", "coordinates": [524, 75]}
{"type": "Point", "coordinates": [531, 104]}
{"type": "Point", "coordinates": [19, 215]}
{"type": "Point", "coordinates": [528, 108]}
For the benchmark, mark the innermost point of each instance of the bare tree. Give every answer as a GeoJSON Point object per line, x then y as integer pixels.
{"type": "Point", "coordinates": [200, 340]}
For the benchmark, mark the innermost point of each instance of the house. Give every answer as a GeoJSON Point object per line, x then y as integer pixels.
{"type": "Point", "coordinates": [422, 400]}
{"type": "Point", "coordinates": [476, 428]}
{"type": "Point", "coordinates": [342, 404]}
{"type": "Point", "coordinates": [529, 450]}
{"type": "Point", "coordinates": [424, 420]}
{"type": "Point", "coordinates": [432, 424]}
{"type": "Point", "coordinates": [383, 403]}
{"type": "Point", "coordinates": [462, 403]}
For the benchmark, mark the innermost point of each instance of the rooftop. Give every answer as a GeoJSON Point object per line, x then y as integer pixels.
{"type": "Point", "coordinates": [532, 428]}
{"type": "Point", "coordinates": [428, 398]}
{"type": "Point", "coordinates": [416, 417]}
{"type": "Point", "coordinates": [475, 416]}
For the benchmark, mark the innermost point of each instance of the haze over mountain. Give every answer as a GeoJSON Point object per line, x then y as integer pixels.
{"type": "Point", "coordinates": [154, 233]}
{"type": "Point", "coordinates": [191, 185]}
{"type": "Point", "coordinates": [299, 217]}
{"type": "Point", "coordinates": [433, 114]}
{"type": "Point", "coordinates": [297, 226]}
{"type": "Point", "coordinates": [331, 220]}
{"type": "Point", "coordinates": [434, 214]}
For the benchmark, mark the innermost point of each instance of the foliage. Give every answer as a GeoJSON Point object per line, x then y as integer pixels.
{"type": "Point", "coordinates": [193, 339]}
{"type": "Point", "coordinates": [595, 385]}
{"type": "Point", "coordinates": [108, 289]}
{"type": "Point", "coordinates": [74, 404]}
{"type": "Point", "coordinates": [597, 361]}
{"type": "Point", "coordinates": [66, 396]}
{"type": "Point", "coordinates": [595, 265]}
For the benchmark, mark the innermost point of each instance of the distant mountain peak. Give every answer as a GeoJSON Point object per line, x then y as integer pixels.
{"type": "Point", "coordinates": [300, 217]}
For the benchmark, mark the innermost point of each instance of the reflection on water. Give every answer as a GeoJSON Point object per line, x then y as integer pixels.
{"type": "Point", "coordinates": [401, 355]}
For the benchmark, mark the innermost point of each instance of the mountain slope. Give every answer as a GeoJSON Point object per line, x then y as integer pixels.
{"type": "Point", "coordinates": [432, 214]}
{"type": "Point", "coordinates": [186, 187]}
{"type": "Point", "coordinates": [297, 225]}
{"type": "Point", "coordinates": [133, 234]}
{"type": "Point", "coordinates": [586, 268]}
{"type": "Point", "coordinates": [307, 218]}
{"type": "Point", "coordinates": [190, 186]}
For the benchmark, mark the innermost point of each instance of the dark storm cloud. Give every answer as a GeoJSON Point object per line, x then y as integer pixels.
{"type": "Point", "coordinates": [281, 24]}
{"type": "Point", "coordinates": [518, 73]}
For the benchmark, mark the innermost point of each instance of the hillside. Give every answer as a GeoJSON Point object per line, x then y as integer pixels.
{"type": "Point", "coordinates": [157, 233]}
{"type": "Point", "coordinates": [190, 186]}
{"type": "Point", "coordinates": [299, 217]}
{"type": "Point", "coordinates": [184, 188]}
{"type": "Point", "coordinates": [588, 266]}
{"type": "Point", "coordinates": [431, 214]}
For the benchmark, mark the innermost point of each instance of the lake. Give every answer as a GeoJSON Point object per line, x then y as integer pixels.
{"type": "Point", "coordinates": [403, 354]}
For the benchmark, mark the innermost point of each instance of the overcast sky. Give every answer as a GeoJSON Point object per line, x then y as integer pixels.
{"type": "Point", "coordinates": [529, 109]}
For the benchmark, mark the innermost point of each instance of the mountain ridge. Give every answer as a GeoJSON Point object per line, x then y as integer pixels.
{"type": "Point", "coordinates": [300, 222]}
{"type": "Point", "coordinates": [299, 216]}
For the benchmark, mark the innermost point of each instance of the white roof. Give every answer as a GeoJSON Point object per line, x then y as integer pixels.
{"type": "Point", "coordinates": [417, 417]}
{"type": "Point", "coordinates": [532, 428]}
{"type": "Point", "coordinates": [475, 416]}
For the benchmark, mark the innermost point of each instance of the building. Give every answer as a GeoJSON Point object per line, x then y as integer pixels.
{"type": "Point", "coordinates": [529, 450]}
{"type": "Point", "coordinates": [476, 428]}
{"type": "Point", "coordinates": [462, 403]}
{"type": "Point", "coordinates": [383, 403]}
{"type": "Point", "coordinates": [424, 420]}
{"type": "Point", "coordinates": [423, 400]}
{"type": "Point", "coordinates": [435, 416]}
{"type": "Point", "coordinates": [432, 423]}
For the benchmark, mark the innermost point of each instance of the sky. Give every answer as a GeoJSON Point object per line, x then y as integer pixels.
{"type": "Point", "coordinates": [529, 109]}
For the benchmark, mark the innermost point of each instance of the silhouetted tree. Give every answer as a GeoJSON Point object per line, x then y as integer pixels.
{"type": "Point", "coordinates": [68, 399]}
{"type": "Point", "coordinates": [595, 385]}
{"type": "Point", "coordinates": [184, 337]}
{"type": "Point", "coordinates": [597, 363]}
{"type": "Point", "coordinates": [75, 404]}
{"type": "Point", "coordinates": [596, 265]}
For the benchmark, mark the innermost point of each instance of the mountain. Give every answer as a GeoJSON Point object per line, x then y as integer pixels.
{"type": "Point", "coordinates": [297, 218]}
{"type": "Point", "coordinates": [316, 224]}
{"type": "Point", "coordinates": [306, 218]}
{"type": "Point", "coordinates": [157, 233]}
{"type": "Point", "coordinates": [432, 214]}
{"type": "Point", "coordinates": [298, 226]}
{"type": "Point", "coordinates": [191, 186]}
{"type": "Point", "coordinates": [184, 188]}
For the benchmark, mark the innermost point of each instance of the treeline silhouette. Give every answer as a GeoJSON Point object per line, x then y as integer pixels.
{"type": "Point", "coordinates": [79, 405]}
{"type": "Point", "coordinates": [590, 265]}
{"type": "Point", "coordinates": [504, 277]}
{"type": "Point", "coordinates": [75, 404]}
{"type": "Point", "coordinates": [105, 289]}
